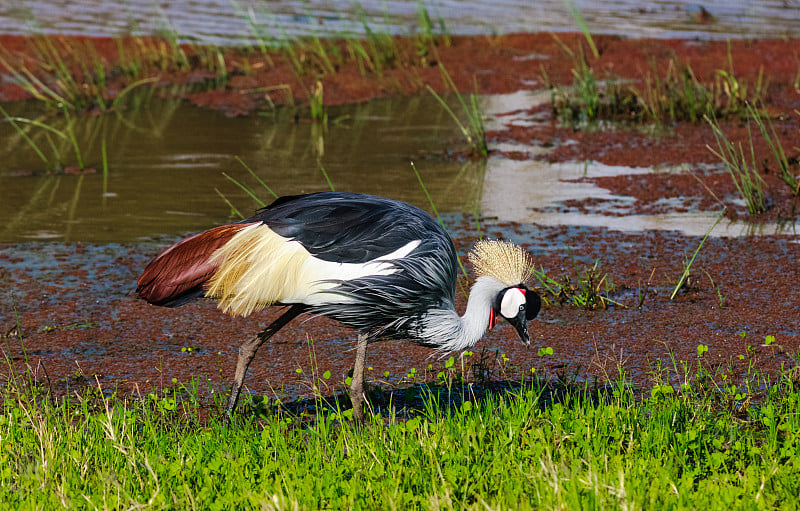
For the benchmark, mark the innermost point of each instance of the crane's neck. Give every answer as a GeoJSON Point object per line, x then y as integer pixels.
{"type": "Point", "coordinates": [449, 331]}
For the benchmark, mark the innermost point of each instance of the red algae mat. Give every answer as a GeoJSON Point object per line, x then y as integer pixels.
{"type": "Point", "coordinates": [79, 318]}
{"type": "Point", "coordinates": [488, 64]}
{"type": "Point", "coordinates": [68, 311]}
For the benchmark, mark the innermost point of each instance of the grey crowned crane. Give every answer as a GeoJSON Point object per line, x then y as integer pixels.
{"type": "Point", "coordinates": [382, 267]}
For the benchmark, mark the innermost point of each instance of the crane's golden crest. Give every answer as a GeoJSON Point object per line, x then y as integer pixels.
{"type": "Point", "coordinates": [503, 261]}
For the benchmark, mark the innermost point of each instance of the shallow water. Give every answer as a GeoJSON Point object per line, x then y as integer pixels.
{"type": "Point", "coordinates": [238, 21]}
{"type": "Point", "coordinates": [532, 191]}
{"type": "Point", "coordinates": [167, 163]}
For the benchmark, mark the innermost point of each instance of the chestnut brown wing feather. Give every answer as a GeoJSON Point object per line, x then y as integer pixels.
{"type": "Point", "coordinates": [178, 274]}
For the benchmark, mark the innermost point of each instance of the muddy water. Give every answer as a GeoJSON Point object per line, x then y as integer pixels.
{"type": "Point", "coordinates": [166, 162]}
{"type": "Point", "coordinates": [236, 21]}
{"type": "Point", "coordinates": [533, 191]}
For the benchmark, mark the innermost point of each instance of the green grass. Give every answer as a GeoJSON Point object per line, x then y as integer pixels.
{"type": "Point", "coordinates": [741, 162]}
{"type": "Point", "coordinates": [69, 74]}
{"type": "Point", "coordinates": [587, 288]}
{"type": "Point", "coordinates": [704, 444]}
{"type": "Point", "coordinates": [247, 189]}
{"type": "Point", "coordinates": [785, 165]}
{"type": "Point", "coordinates": [668, 93]}
{"type": "Point", "coordinates": [741, 166]}
{"type": "Point", "coordinates": [52, 158]}
{"type": "Point", "coordinates": [578, 17]}
{"type": "Point", "coordinates": [473, 129]}
{"type": "Point", "coordinates": [688, 263]}
{"type": "Point", "coordinates": [66, 73]}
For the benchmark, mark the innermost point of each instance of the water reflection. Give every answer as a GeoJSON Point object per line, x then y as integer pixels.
{"type": "Point", "coordinates": [165, 160]}
{"type": "Point", "coordinates": [167, 167]}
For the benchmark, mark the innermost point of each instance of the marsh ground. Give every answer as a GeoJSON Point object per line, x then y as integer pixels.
{"type": "Point", "coordinates": [69, 313]}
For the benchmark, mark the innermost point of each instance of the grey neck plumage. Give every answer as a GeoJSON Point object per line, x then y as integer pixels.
{"type": "Point", "coordinates": [451, 332]}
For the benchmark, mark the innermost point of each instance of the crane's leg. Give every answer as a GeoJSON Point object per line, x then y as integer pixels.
{"type": "Point", "coordinates": [357, 385]}
{"type": "Point", "coordinates": [248, 350]}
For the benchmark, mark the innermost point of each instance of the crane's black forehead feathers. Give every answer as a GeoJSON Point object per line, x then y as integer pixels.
{"type": "Point", "coordinates": [349, 227]}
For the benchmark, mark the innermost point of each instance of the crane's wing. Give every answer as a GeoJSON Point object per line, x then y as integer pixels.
{"type": "Point", "coordinates": [348, 227]}
{"type": "Point", "coordinates": [353, 228]}
{"type": "Point", "coordinates": [363, 260]}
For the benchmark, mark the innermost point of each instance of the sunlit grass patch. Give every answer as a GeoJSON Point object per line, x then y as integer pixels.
{"type": "Point", "coordinates": [667, 93]}
{"type": "Point", "coordinates": [587, 288]}
{"type": "Point", "coordinates": [694, 437]}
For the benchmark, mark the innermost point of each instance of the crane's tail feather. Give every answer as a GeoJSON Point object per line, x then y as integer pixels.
{"type": "Point", "coordinates": [180, 272]}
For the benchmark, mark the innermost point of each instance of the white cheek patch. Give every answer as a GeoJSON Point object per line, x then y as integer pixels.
{"type": "Point", "coordinates": [512, 299]}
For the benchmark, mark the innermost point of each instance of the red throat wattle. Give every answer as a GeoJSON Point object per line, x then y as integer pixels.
{"type": "Point", "coordinates": [492, 319]}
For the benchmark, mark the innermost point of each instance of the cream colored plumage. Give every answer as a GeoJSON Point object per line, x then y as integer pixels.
{"type": "Point", "coordinates": [258, 268]}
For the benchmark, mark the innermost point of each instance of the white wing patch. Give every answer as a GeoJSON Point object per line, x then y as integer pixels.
{"type": "Point", "coordinates": [258, 267]}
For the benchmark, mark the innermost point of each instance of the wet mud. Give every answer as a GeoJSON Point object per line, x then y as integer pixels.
{"type": "Point", "coordinates": [68, 311]}
{"type": "Point", "coordinates": [76, 323]}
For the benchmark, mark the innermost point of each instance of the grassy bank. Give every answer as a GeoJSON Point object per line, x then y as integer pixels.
{"type": "Point", "coordinates": [707, 445]}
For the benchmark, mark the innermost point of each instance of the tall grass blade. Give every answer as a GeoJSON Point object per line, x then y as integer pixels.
{"type": "Point", "coordinates": [246, 189]}
{"type": "Point", "coordinates": [124, 92]}
{"type": "Point", "coordinates": [441, 222]}
{"type": "Point", "coordinates": [775, 146]}
{"type": "Point", "coordinates": [105, 170]}
{"type": "Point", "coordinates": [697, 251]}
{"type": "Point", "coordinates": [474, 132]}
{"type": "Point", "coordinates": [262, 183]}
{"type": "Point", "coordinates": [230, 205]}
{"type": "Point", "coordinates": [325, 174]}
{"type": "Point", "coordinates": [39, 124]}
{"type": "Point", "coordinates": [25, 137]}
{"type": "Point", "coordinates": [73, 139]}
{"type": "Point", "coordinates": [578, 17]}
{"type": "Point", "coordinates": [745, 176]}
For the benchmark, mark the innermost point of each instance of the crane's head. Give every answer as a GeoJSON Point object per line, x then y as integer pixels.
{"type": "Point", "coordinates": [518, 305]}
{"type": "Point", "coordinates": [510, 265]}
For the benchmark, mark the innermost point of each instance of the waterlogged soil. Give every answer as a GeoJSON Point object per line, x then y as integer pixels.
{"type": "Point", "coordinates": [253, 81]}
{"type": "Point", "coordinates": [68, 311]}
{"type": "Point", "coordinates": [70, 315]}
{"type": "Point", "coordinates": [688, 174]}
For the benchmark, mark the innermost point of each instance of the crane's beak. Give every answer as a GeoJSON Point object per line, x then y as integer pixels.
{"type": "Point", "coordinates": [521, 325]}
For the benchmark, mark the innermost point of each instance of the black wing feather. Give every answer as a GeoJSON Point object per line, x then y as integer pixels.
{"type": "Point", "coordinates": [348, 227]}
